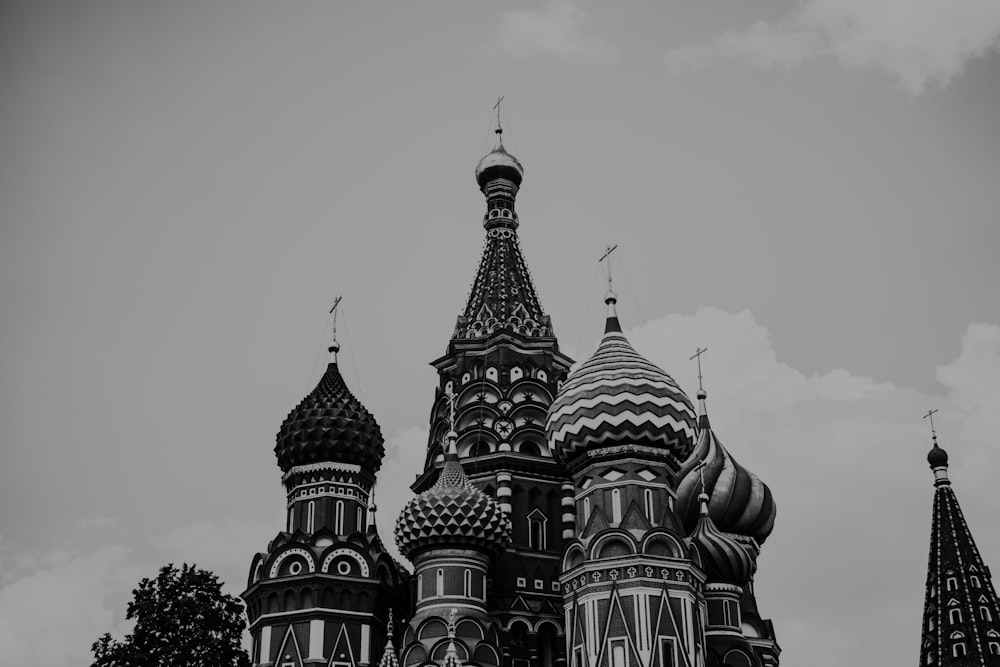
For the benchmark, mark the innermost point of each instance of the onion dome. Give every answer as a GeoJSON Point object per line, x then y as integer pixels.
{"type": "Point", "coordinates": [618, 397]}
{"type": "Point", "coordinates": [330, 425]}
{"type": "Point", "coordinates": [738, 502]}
{"type": "Point", "coordinates": [498, 163]}
{"type": "Point", "coordinates": [937, 457]}
{"type": "Point", "coordinates": [723, 559]}
{"type": "Point", "coordinates": [452, 513]}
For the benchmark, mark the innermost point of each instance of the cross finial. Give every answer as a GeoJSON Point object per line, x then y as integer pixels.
{"type": "Point", "coordinates": [697, 355]}
{"type": "Point", "coordinates": [607, 256]}
{"type": "Point", "coordinates": [930, 416]}
{"type": "Point", "coordinates": [388, 626]}
{"type": "Point", "coordinates": [499, 130]}
{"type": "Point", "coordinates": [334, 345]}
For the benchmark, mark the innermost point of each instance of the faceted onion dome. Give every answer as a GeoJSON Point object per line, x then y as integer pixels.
{"type": "Point", "coordinates": [498, 163]}
{"type": "Point", "coordinates": [724, 560]}
{"type": "Point", "coordinates": [619, 397]}
{"type": "Point", "coordinates": [937, 457]}
{"type": "Point", "coordinates": [452, 513]}
{"type": "Point", "coordinates": [739, 502]}
{"type": "Point", "coordinates": [330, 425]}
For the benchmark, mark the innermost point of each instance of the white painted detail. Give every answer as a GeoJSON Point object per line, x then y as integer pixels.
{"type": "Point", "coordinates": [265, 643]}
{"type": "Point", "coordinates": [365, 641]}
{"type": "Point", "coordinates": [316, 627]}
{"type": "Point", "coordinates": [350, 553]}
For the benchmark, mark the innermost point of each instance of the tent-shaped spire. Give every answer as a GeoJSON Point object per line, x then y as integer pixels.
{"type": "Point", "coordinates": [961, 623]}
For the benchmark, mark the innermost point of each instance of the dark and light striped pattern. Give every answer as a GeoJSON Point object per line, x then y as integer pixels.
{"type": "Point", "coordinates": [618, 397]}
{"type": "Point", "coordinates": [724, 560]}
{"type": "Point", "coordinates": [738, 501]}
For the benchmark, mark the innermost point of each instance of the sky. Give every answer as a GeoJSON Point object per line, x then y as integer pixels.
{"type": "Point", "coordinates": [808, 189]}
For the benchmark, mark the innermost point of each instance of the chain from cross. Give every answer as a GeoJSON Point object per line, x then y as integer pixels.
{"type": "Point", "coordinates": [607, 256]}
{"type": "Point", "coordinates": [930, 416]}
{"type": "Point", "coordinates": [496, 107]}
{"type": "Point", "coordinates": [697, 355]}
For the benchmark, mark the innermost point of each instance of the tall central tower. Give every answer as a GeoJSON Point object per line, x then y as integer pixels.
{"type": "Point", "coordinates": [504, 366]}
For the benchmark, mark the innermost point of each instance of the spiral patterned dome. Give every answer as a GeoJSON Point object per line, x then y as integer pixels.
{"type": "Point", "coordinates": [452, 513]}
{"type": "Point", "coordinates": [498, 163]}
{"type": "Point", "coordinates": [330, 425]}
{"type": "Point", "coordinates": [618, 397]}
{"type": "Point", "coordinates": [738, 502]}
{"type": "Point", "coordinates": [724, 560]}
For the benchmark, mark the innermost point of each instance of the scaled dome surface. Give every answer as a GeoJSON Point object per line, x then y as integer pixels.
{"type": "Point", "coordinates": [618, 397]}
{"type": "Point", "coordinates": [330, 426]}
{"type": "Point", "coordinates": [452, 513]}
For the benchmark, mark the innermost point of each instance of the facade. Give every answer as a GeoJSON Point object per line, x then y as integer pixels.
{"type": "Point", "coordinates": [961, 624]}
{"type": "Point", "coordinates": [562, 519]}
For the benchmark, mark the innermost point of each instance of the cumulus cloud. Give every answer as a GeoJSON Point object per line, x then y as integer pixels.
{"type": "Point", "coordinates": [561, 28]}
{"type": "Point", "coordinates": [920, 43]}
{"type": "Point", "coordinates": [55, 605]}
{"type": "Point", "coordinates": [844, 456]}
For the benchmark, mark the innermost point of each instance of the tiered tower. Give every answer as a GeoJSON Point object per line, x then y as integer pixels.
{"type": "Point", "coordinates": [504, 367]}
{"type": "Point", "coordinates": [321, 593]}
{"type": "Point", "coordinates": [961, 625]}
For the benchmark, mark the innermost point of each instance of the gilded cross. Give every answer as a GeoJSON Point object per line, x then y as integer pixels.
{"type": "Point", "coordinates": [496, 107]}
{"type": "Point", "coordinates": [607, 256]}
{"type": "Point", "coordinates": [930, 416]}
{"type": "Point", "coordinates": [697, 355]}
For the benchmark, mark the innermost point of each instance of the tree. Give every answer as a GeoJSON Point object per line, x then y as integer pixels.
{"type": "Point", "coordinates": [182, 619]}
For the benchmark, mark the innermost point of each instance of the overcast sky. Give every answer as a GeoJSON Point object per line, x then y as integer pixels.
{"type": "Point", "coordinates": [809, 189]}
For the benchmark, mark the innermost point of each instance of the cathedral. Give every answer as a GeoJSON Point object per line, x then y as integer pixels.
{"type": "Point", "coordinates": [565, 516]}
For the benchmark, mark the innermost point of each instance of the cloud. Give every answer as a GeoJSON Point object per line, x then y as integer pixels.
{"type": "Point", "coordinates": [844, 456]}
{"type": "Point", "coordinates": [54, 606]}
{"type": "Point", "coordinates": [920, 43]}
{"type": "Point", "coordinates": [559, 27]}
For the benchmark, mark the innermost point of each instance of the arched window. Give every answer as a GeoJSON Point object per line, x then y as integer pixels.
{"type": "Point", "coordinates": [951, 584]}
{"type": "Point", "coordinates": [440, 582]}
{"type": "Point", "coordinates": [586, 509]}
{"type": "Point", "coordinates": [930, 623]}
{"type": "Point", "coordinates": [338, 518]}
{"type": "Point", "coordinates": [359, 525]}
{"type": "Point", "coordinates": [954, 616]}
{"type": "Point", "coordinates": [536, 529]}
{"type": "Point", "coordinates": [994, 648]}
{"type": "Point", "coordinates": [467, 584]}
{"type": "Point", "coordinates": [311, 517]}
{"type": "Point", "coordinates": [291, 518]}
{"type": "Point", "coordinates": [958, 649]}
{"type": "Point", "coordinates": [984, 613]}
{"type": "Point", "coordinates": [420, 586]}
{"type": "Point", "coordinates": [616, 506]}
{"type": "Point", "coordinates": [648, 497]}
{"type": "Point", "coordinates": [975, 581]}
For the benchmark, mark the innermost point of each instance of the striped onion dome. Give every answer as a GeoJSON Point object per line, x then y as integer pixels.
{"type": "Point", "coordinates": [330, 425]}
{"type": "Point", "coordinates": [618, 397]}
{"type": "Point", "coordinates": [739, 502]}
{"type": "Point", "coordinates": [452, 513]}
{"type": "Point", "coordinates": [723, 559]}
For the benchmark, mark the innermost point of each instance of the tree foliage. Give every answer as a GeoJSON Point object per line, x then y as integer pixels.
{"type": "Point", "coordinates": [182, 619]}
